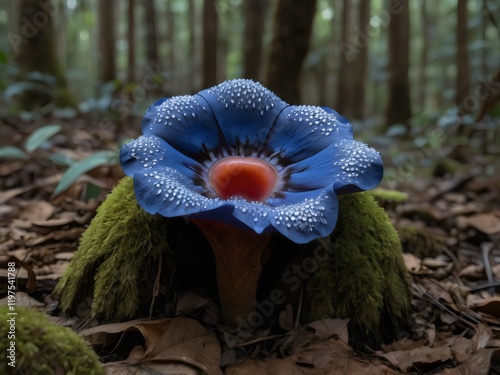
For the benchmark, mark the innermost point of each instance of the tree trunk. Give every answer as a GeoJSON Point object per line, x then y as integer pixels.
{"type": "Point", "coordinates": [171, 55]}
{"type": "Point", "coordinates": [349, 53]}
{"type": "Point", "coordinates": [292, 29]}
{"type": "Point", "coordinates": [106, 40]}
{"type": "Point", "coordinates": [254, 15]}
{"type": "Point", "coordinates": [398, 107]}
{"type": "Point", "coordinates": [192, 65]}
{"type": "Point", "coordinates": [35, 51]}
{"type": "Point", "coordinates": [131, 42]}
{"type": "Point", "coordinates": [210, 43]}
{"type": "Point", "coordinates": [151, 43]}
{"type": "Point", "coordinates": [422, 76]}
{"type": "Point", "coordinates": [484, 27]}
{"type": "Point", "coordinates": [463, 67]}
{"type": "Point", "coordinates": [360, 63]}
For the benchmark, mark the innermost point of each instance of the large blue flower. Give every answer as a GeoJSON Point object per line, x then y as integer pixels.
{"type": "Point", "coordinates": [238, 154]}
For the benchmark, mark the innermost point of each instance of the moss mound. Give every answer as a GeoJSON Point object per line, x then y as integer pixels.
{"type": "Point", "coordinates": [362, 275]}
{"type": "Point", "coordinates": [118, 259]}
{"type": "Point", "coordinates": [42, 347]}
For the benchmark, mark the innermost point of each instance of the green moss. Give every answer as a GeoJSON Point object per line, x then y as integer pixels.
{"type": "Point", "coordinates": [384, 195]}
{"type": "Point", "coordinates": [117, 260]}
{"type": "Point", "coordinates": [361, 277]}
{"type": "Point", "coordinates": [364, 275]}
{"type": "Point", "coordinates": [44, 348]}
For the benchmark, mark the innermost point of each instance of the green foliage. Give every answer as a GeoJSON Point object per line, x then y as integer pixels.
{"type": "Point", "coordinates": [117, 258]}
{"type": "Point", "coordinates": [364, 277]}
{"type": "Point", "coordinates": [16, 84]}
{"type": "Point", "coordinates": [30, 144]}
{"type": "Point", "coordinates": [99, 159]}
{"type": "Point", "coordinates": [12, 152]}
{"type": "Point", "coordinates": [32, 151]}
{"type": "Point", "coordinates": [44, 348]}
{"type": "Point", "coordinates": [101, 103]}
{"type": "Point", "coordinates": [39, 136]}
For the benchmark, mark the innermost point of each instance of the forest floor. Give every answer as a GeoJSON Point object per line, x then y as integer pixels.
{"type": "Point", "coordinates": [449, 226]}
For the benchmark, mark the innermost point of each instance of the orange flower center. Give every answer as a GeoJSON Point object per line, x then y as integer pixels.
{"type": "Point", "coordinates": [245, 177]}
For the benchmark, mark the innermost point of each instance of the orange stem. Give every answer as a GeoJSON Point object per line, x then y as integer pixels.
{"type": "Point", "coordinates": [240, 256]}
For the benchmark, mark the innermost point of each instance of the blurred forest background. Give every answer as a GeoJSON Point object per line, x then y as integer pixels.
{"type": "Point", "coordinates": [417, 75]}
{"type": "Point", "coordinates": [419, 79]}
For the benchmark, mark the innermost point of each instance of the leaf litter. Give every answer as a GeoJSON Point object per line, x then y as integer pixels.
{"type": "Point", "coordinates": [450, 231]}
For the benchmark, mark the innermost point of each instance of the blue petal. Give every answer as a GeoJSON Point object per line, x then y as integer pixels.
{"type": "Point", "coordinates": [170, 193]}
{"type": "Point", "coordinates": [252, 214]}
{"type": "Point", "coordinates": [339, 118]}
{"type": "Point", "coordinates": [302, 131]}
{"type": "Point", "coordinates": [186, 123]}
{"type": "Point", "coordinates": [347, 165]}
{"type": "Point", "coordinates": [313, 216]}
{"type": "Point", "coordinates": [359, 167]}
{"type": "Point", "coordinates": [245, 110]}
{"type": "Point", "coordinates": [151, 152]}
{"type": "Point", "coordinates": [301, 217]}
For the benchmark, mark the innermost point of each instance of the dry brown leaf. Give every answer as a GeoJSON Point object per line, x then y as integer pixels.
{"type": "Point", "coordinates": [64, 218]}
{"type": "Point", "coordinates": [194, 304]}
{"type": "Point", "coordinates": [37, 210]}
{"type": "Point", "coordinates": [482, 336]}
{"type": "Point", "coordinates": [328, 328]}
{"type": "Point", "coordinates": [477, 364]}
{"type": "Point", "coordinates": [435, 290]}
{"type": "Point", "coordinates": [331, 357]}
{"type": "Point", "coordinates": [9, 194]}
{"type": "Point", "coordinates": [487, 223]}
{"type": "Point", "coordinates": [472, 272]}
{"type": "Point", "coordinates": [403, 344]}
{"type": "Point", "coordinates": [405, 359]}
{"type": "Point", "coordinates": [168, 341]}
{"type": "Point", "coordinates": [149, 369]}
{"type": "Point", "coordinates": [412, 263]}
{"type": "Point", "coordinates": [489, 306]}
{"type": "Point", "coordinates": [434, 263]}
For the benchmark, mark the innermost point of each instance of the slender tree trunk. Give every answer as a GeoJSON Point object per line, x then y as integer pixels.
{"type": "Point", "coordinates": [292, 30]}
{"type": "Point", "coordinates": [484, 26]}
{"type": "Point", "coordinates": [192, 65]}
{"type": "Point", "coordinates": [131, 42]}
{"type": "Point", "coordinates": [463, 66]}
{"type": "Point", "coordinates": [210, 26]}
{"type": "Point", "coordinates": [343, 104]}
{"type": "Point", "coordinates": [151, 42]}
{"type": "Point", "coordinates": [254, 17]}
{"type": "Point", "coordinates": [398, 107]}
{"type": "Point", "coordinates": [360, 63]}
{"type": "Point", "coordinates": [35, 50]}
{"type": "Point", "coordinates": [422, 77]}
{"type": "Point", "coordinates": [106, 40]}
{"type": "Point", "coordinates": [223, 40]}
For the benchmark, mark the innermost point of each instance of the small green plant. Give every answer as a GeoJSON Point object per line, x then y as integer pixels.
{"type": "Point", "coordinates": [99, 159]}
{"type": "Point", "coordinates": [34, 148]}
